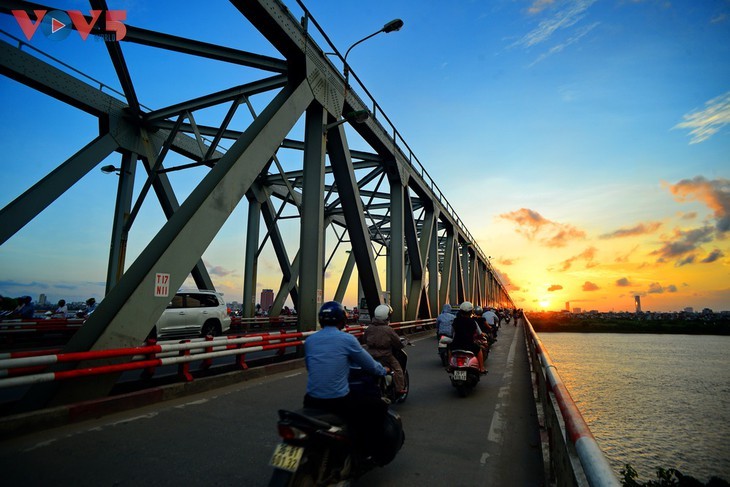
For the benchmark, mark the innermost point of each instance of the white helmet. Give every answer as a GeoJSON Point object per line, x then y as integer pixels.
{"type": "Point", "coordinates": [466, 307]}
{"type": "Point", "coordinates": [382, 312]}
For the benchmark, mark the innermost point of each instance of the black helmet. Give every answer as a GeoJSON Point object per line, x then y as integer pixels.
{"type": "Point", "coordinates": [332, 313]}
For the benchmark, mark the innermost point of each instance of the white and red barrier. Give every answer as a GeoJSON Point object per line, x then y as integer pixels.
{"type": "Point", "coordinates": [25, 368]}
{"type": "Point", "coordinates": [595, 466]}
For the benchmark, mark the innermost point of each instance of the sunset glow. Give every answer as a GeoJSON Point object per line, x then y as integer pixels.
{"type": "Point", "coordinates": [585, 145]}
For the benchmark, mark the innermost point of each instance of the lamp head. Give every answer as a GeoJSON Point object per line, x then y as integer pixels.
{"type": "Point", "coordinates": [393, 26]}
{"type": "Point", "coordinates": [109, 169]}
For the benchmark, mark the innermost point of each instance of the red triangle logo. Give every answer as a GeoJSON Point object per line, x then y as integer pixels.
{"type": "Point", "coordinates": [56, 25]}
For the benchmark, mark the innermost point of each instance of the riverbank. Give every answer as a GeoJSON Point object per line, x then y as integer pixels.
{"type": "Point", "coordinates": [566, 322]}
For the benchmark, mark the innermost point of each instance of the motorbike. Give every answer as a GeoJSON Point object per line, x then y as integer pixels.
{"type": "Point", "coordinates": [387, 383]}
{"type": "Point", "coordinates": [463, 371]}
{"type": "Point", "coordinates": [317, 448]}
{"type": "Point", "coordinates": [443, 349]}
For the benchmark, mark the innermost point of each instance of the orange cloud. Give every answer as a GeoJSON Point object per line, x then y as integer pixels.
{"type": "Point", "coordinates": [623, 282]}
{"type": "Point", "coordinates": [552, 234]}
{"type": "Point", "coordinates": [683, 245]}
{"type": "Point", "coordinates": [589, 286]}
{"type": "Point", "coordinates": [715, 194]}
{"type": "Point", "coordinates": [555, 287]}
{"type": "Point", "coordinates": [640, 229]}
{"type": "Point", "coordinates": [587, 255]}
{"type": "Point", "coordinates": [656, 288]}
{"type": "Point", "coordinates": [713, 256]}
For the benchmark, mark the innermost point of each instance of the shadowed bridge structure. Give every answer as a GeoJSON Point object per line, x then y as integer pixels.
{"type": "Point", "coordinates": [289, 160]}
{"type": "Point", "coordinates": [278, 140]}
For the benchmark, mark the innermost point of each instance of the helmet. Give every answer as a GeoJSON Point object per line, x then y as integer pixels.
{"type": "Point", "coordinates": [478, 310]}
{"type": "Point", "coordinates": [466, 307]}
{"type": "Point", "coordinates": [382, 312]}
{"type": "Point", "coordinates": [332, 313]}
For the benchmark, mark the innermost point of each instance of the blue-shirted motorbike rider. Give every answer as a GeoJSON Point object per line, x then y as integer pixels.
{"type": "Point", "coordinates": [329, 354]}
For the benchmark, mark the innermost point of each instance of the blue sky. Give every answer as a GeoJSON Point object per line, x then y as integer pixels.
{"type": "Point", "coordinates": [585, 143]}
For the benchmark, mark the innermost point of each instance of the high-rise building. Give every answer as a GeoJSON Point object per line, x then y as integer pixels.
{"type": "Point", "coordinates": [637, 300]}
{"type": "Point", "coordinates": [42, 300]}
{"type": "Point", "coordinates": [267, 299]}
{"type": "Point", "coordinates": [567, 306]}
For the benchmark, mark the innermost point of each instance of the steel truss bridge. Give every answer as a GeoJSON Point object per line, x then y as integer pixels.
{"type": "Point", "coordinates": [378, 203]}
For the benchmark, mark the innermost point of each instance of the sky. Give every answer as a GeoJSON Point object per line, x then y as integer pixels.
{"type": "Point", "coordinates": [584, 143]}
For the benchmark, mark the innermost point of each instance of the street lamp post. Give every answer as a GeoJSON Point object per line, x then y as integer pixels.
{"type": "Point", "coordinates": [391, 26]}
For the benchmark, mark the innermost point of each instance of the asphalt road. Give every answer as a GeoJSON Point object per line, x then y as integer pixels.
{"type": "Point", "coordinates": [226, 437]}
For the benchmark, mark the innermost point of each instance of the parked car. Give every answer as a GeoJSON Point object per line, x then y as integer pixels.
{"type": "Point", "coordinates": [193, 313]}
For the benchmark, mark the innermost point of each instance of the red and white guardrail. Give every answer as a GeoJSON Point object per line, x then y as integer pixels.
{"type": "Point", "coordinates": [25, 368]}
{"type": "Point", "coordinates": [595, 464]}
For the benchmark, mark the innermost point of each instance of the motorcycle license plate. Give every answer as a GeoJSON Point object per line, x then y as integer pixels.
{"type": "Point", "coordinates": [287, 457]}
{"type": "Point", "coordinates": [460, 375]}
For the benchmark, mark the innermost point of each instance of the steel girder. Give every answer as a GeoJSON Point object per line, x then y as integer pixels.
{"type": "Point", "coordinates": [409, 221]}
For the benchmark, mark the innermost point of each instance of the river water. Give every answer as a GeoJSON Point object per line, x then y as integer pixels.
{"type": "Point", "coordinates": [651, 400]}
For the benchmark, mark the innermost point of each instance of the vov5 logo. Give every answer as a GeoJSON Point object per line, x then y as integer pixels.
{"type": "Point", "coordinates": [56, 24]}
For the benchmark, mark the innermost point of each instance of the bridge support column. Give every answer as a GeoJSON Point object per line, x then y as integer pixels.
{"type": "Point", "coordinates": [118, 246]}
{"type": "Point", "coordinates": [433, 268]}
{"type": "Point", "coordinates": [311, 239]}
{"type": "Point", "coordinates": [396, 249]}
{"type": "Point", "coordinates": [250, 266]}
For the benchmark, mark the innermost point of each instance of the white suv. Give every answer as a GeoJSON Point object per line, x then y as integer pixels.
{"type": "Point", "coordinates": [193, 313]}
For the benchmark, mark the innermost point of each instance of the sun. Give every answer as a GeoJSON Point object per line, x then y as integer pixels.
{"type": "Point", "coordinates": [544, 303]}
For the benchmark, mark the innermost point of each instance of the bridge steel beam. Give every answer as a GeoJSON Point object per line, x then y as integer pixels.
{"type": "Point", "coordinates": [122, 209]}
{"type": "Point", "coordinates": [353, 213]}
{"type": "Point", "coordinates": [434, 298]}
{"type": "Point", "coordinates": [250, 266]}
{"type": "Point", "coordinates": [396, 249]}
{"type": "Point", "coordinates": [311, 235]}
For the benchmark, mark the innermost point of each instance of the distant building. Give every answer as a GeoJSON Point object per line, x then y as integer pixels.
{"type": "Point", "coordinates": [42, 300]}
{"type": "Point", "coordinates": [267, 299]}
{"type": "Point", "coordinates": [689, 309]}
{"type": "Point", "coordinates": [637, 300]}
{"type": "Point", "coordinates": [567, 306]}
{"type": "Point", "coordinates": [577, 310]}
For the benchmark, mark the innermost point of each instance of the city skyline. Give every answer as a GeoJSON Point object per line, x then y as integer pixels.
{"type": "Point", "coordinates": [584, 144]}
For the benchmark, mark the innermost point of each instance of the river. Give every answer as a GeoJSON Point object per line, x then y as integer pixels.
{"type": "Point", "coordinates": [651, 400]}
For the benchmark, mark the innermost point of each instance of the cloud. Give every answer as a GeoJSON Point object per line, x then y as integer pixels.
{"type": "Point", "coordinates": [555, 287]}
{"type": "Point", "coordinates": [587, 255]}
{"type": "Point", "coordinates": [623, 282]}
{"type": "Point", "coordinates": [640, 229]}
{"type": "Point", "coordinates": [703, 124]}
{"type": "Point", "coordinates": [713, 256]}
{"type": "Point", "coordinates": [219, 271]}
{"type": "Point", "coordinates": [713, 193]}
{"type": "Point", "coordinates": [582, 32]}
{"type": "Point", "coordinates": [656, 288]}
{"type": "Point", "coordinates": [532, 224]}
{"type": "Point", "coordinates": [683, 245]}
{"type": "Point", "coordinates": [506, 262]}
{"type": "Point", "coordinates": [539, 5]}
{"type": "Point", "coordinates": [564, 16]}
{"type": "Point", "coordinates": [589, 286]}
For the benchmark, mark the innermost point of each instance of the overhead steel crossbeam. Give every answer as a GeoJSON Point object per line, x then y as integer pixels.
{"type": "Point", "coordinates": [378, 203]}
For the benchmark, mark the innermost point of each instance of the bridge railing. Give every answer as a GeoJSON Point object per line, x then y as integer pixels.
{"type": "Point", "coordinates": [575, 459]}
{"type": "Point", "coordinates": [27, 368]}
